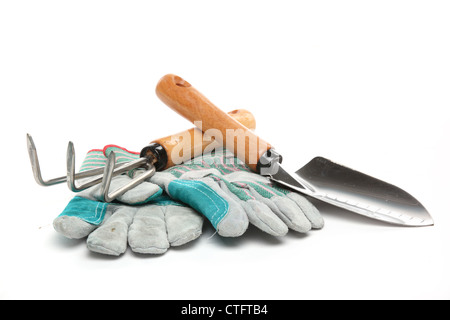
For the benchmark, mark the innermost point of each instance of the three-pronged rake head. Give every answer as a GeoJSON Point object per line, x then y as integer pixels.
{"type": "Point", "coordinates": [156, 156]}
{"type": "Point", "coordinates": [35, 166]}
{"type": "Point", "coordinates": [89, 178]}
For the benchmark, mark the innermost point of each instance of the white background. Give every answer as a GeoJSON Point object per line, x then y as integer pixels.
{"type": "Point", "coordinates": [365, 83]}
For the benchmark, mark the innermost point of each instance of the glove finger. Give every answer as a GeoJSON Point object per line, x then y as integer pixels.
{"type": "Point", "coordinates": [80, 217]}
{"type": "Point", "coordinates": [263, 218]}
{"type": "Point", "coordinates": [293, 213]}
{"type": "Point", "coordinates": [287, 210]}
{"type": "Point", "coordinates": [183, 224]}
{"type": "Point", "coordinates": [310, 211]}
{"type": "Point", "coordinates": [111, 237]}
{"type": "Point", "coordinates": [259, 214]}
{"type": "Point", "coordinates": [148, 231]}
{"type": "Point", "coordinates": [73, 227]}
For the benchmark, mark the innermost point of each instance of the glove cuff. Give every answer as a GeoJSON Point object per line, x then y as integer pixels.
{"type": "Point", "coordinates": [122, 154]}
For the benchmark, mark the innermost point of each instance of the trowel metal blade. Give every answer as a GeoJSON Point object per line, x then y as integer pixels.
{"type": "Point", "coordinates": [343, 187]}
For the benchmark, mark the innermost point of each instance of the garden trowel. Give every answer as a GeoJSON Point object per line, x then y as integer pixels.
{"type": "Point", "coordinates": [321, 178]}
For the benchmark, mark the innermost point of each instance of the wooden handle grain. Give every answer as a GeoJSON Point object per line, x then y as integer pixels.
{"type": "Point", "coordinates": [191, 143]}
{"type": "Point", "coordinates": [183, 98]}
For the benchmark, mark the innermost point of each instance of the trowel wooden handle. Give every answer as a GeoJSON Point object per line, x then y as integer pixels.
{"type": "Point", "coordinates": [191, 143]}
{"type": "Point", "coordinates": [183, 98]}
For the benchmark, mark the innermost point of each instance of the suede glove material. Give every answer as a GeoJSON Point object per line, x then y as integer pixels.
{"type": "Point", "coordinates": [225, 191]}
{"type": "Point", "coordinates": [144, 218]}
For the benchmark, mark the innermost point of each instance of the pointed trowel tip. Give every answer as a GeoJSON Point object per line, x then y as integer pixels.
{"type": "Point", "coordinates": [423, 215]}
{"type": "Point", "coordinates": [421, 218]}
{"type": "Point", "coordinates": [429, 221]}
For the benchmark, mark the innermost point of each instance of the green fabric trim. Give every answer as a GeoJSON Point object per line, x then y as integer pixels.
{"type": "Point", "coordinates": [90, 211]}
{"type": "Point", "coordinates": [201, 197]}
{"type": "Point", "coordinates": [164, 200]}
{"type": "Point", "coordinates": [121, 154]}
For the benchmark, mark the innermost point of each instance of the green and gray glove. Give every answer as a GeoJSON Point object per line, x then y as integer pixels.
{"type": "Point", "coordinates": [224, 190]}
{"type": "Point", "coordinates": [144, 217]}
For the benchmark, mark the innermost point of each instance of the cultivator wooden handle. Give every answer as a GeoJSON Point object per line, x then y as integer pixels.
{"type": "Point", "coordinates": [192, 143]}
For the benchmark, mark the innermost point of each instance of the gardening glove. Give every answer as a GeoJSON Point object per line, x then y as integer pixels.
{"type": "Point", "coordinates": [224, 190]}
{"type": "Point", "coordinates": [144, 216]}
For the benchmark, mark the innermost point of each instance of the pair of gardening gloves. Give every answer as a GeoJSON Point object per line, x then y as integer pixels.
{"type": "Point", "coordinates": [169, 208]}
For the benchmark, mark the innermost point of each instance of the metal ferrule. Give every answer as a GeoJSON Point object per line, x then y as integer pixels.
{"type": "Point", "coordinates": [156, 154]}
{"type": "Point", "coordinates": [268, 163]}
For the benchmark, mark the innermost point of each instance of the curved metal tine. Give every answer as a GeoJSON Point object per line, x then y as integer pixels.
{"type": "Point", "coordinates": [71, 176]}
{"type": "Point", "coordinates": [32, 152]}
{"type": "Point", "coordinates": [37, 168]}
{"type": "Point", "coordinates": [107, 177]}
